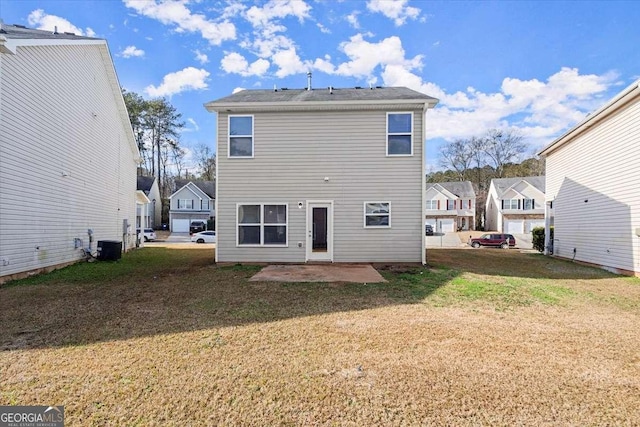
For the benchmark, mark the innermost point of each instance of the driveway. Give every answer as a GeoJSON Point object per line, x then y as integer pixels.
{"type": "Point", "coordinates": [446, 240]}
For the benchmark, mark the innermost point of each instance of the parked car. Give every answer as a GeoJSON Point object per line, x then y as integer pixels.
{"type": "Point", "coordinates": [197, 226]}
{"type": "Point", "coordinates": [494, 239]}
{"type": "Point", "coordinates": [147, 233]}
{"type": "Point", "coordinates": [204, 237]}
{"type": "Point", "coordinates": [428, 229]}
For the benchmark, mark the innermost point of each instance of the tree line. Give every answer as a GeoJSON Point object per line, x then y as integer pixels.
{"type": "Point", "coordinates": [498, 153]}
{"type": "Point", "coordinates": [157, 126]}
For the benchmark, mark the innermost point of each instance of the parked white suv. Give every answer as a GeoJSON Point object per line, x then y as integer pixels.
{"type": "Point", "coordinates": [148, 234]}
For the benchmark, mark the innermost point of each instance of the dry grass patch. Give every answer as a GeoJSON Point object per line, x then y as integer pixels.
{"type": "Point", "coordinates": [483, 337]}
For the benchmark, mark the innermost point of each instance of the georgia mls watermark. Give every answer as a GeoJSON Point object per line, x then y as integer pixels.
{"type": "Point", "coordinates": [31, 416]}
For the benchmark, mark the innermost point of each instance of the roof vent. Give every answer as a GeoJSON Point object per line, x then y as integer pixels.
{"type": "Point", "coordinates": [309, 80]}
{"type": "Point", "coordinates": [19, 26]}
{"type": "Point", "coordinates": [285, 88]}
{"type": "Point", "coordinates": [55, 30]}
{"type": "Point", "coordinates": [358, 87]}
{"type": "Point", "coordinates": [330, 89]}
{"type": "Point", "coordinates": [275, 88]}
{"type": "Point", "coordinates": [378, 87]}
{"type": "Point", "coordinates": [69, 34]}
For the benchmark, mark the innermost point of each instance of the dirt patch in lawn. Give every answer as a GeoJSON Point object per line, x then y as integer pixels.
{"type": "Point", "coordinates": [475, 338]}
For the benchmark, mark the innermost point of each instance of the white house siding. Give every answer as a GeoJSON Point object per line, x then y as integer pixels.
{"type": "Point", "coordinates": [293, 154]}
{"type": "Point", "coordinates": [593, 183]}
{"type": "Point", "coordinates": [66, 164]}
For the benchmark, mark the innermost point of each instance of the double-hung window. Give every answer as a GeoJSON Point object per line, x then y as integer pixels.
{"type": "Point", "coordinates": [528, 204]}
{"type": "Point", "coordinates": [377, 214]}
{"type": "Point", "coordinates": [241, 136]}
{"type": "Point", "coordinates": [432, 205]}
{"type": "Point", "coordinates": [399, 134]}
{"type": "Point", "coordinates": [510, 204]}
{"type": "Point", "coordinates": [185, 204]}
{"type": "Point", "coordinates": [262, 224]}
{"type": "Point", "coordinates": [451, 205]}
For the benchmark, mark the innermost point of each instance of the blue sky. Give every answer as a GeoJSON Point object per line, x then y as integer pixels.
{"type": "Point", "coordinates": [536, 66]}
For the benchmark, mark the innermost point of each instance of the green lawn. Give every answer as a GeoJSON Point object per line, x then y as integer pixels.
{"type": "Point", "coordinates": [479, 337]}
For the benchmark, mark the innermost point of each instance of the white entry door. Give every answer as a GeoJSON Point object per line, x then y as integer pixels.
{"type": "Point", "coordinates": [320, 231]}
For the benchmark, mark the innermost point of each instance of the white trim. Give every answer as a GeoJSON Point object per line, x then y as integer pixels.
{"type": "Point", "coordinates": [309, 238]}
{"type": "Point", "coordinates": [387, 134]}
{"type": "Point", "coordinates": [253, 145]}
{"type": "Point", "coordinates": [423, 184]}
{"type": "Point", "coordinates": [262, 224]}
{"type": "Point", "coordinates": [239, 107]}
{"type": "Point", "coordinates": [364, 212]}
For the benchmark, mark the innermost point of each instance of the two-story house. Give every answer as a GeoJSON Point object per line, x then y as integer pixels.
{"type": "Point", "coordinates": [68, 156]}
{"type": "Point", "coordinates": [192, 201]}
{"type": "Point", "coordinates": [450, 206]}
{"type": "Point", "coordinates": [515, 205]}
{"type": "Point", "coordinates": [333, 175]}
{"type": "Point", "coordinates": [593, 200]}
{"type": "Point", "coordinates": [150, 214]}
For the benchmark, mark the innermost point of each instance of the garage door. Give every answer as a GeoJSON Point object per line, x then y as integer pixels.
{"type": "Point", "coordinates": [514, 226]}
{"type": "Point", "coordinates": [530, 224]}
{"type": "Point", "coordinates": [445, 225]}
{"type": "Point", "coordinates": [180, 226]}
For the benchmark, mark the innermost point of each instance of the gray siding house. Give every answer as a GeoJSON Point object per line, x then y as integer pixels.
{"type": "Point", "coordinates": [333, 175]}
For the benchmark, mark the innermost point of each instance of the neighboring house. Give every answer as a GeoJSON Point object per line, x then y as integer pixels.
{"type": "Point", "coordinates": [450, 206]}
{"type": "Point", "coordinates": [593, 182]}
{"type": "Point", "coordinates": [515, 205]}
{"type": "Point", "coordinates": [68, 156]}
{"type": "Point", "coordinates": [192, 201]}
{"type": "Point", "coordinates": [149, 186]}
{"type": "Point", "coordinates": [331, 175]}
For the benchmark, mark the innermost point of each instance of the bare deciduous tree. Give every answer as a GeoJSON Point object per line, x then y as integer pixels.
{"type": "Point", "coordinates": [502, 147]}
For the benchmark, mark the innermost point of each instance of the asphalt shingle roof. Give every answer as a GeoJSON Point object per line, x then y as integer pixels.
{"type": "Point", "coordinates": [324, 94]}
{"type": "Point", "coordinates": [209, 187]}
{"type": "Point", "coordinates": [145, 183]}
{"type": "Point", "coordinates": [503, 184]}
{"type": "Point", "coordinates": [462, 189]}
{"type": "Point", "coordinates": [21, 32]}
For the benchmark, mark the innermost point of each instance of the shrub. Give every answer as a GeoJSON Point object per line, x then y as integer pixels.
{"type": "Point", "coordinates": [538, 237]}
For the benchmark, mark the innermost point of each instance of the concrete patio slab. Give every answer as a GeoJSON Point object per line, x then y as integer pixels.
{"type": "Point", "coordinates": [357, 273]}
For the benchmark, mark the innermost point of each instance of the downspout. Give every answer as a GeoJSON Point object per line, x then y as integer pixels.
{"type": "Point", "coordinates": [423, 178]}
{"type": "Point", "coordinates": [547, 227]}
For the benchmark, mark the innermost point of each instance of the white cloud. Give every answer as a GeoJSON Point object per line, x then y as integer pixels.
{"type": "Point", "coordinates": [201, 57]}
{"type": "Point", "coordinates": [396, 10]}
{"type": "Point", "coordinates": [237, 64]}
{"type": "Point", "coordinates": [366, 56]}
{"type": "Point", "coordinates": [540, 110]}
{"type": "Point", "coordinates": [238, 89]}
{"type": "Point", "coordinates": [289, 63]}
{"type": "Point", "coordinates": [189, 78]}
{"type": "Point", "coordinates": [176, 13]}
{"type": "Point", "coordinates": [263, 16]}
{"type": "Point", "coordinates": [42, 21]}
{"type": "Point", "coordinates": [131, 51]}
{"type": "Point", "coordinates": [324, 65]}
{"type": "Point", "coordinates": [323, 29]}
{"type": "Point", "coordinates": [194, 126]}
{"type": "Point", "coordinates": [352, 19]}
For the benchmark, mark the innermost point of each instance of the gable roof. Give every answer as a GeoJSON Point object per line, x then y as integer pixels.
{"type": "Point", "coordinates": [462, 189]}
{"type": "Point", "coordinates": [502, 185]}
{"type": "Point", "coordinates": [14, 36]}
{"type": "Point", "coordinates": [207, 187]}
{"type": "Point", "coordinates": [320, 98]}
{"type": "Point", "coordinates": [628, 94]}
{"type": "Point", "coordinates": [145, 183]}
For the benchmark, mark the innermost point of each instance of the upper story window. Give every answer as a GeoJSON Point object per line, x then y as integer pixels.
{"type": "Point", "coordinates": [399, 134]}
{"type": "Point", "coordinates": [451, 205]}
{"type": "Point", "coordinates": [510, 204]}
{"type": "Point", "coordinates": [185, 204]}
{"type": "Point", "coordinates": [432, 205]}
{"type": "Point", "coordinates": [528, 204]}
{"type": "Point", "coordinates": [240, 136]}
{"type": "Point", "coordinates": [377, 214]}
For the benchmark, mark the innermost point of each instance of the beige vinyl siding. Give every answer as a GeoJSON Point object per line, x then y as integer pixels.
{"type": "Point", "coordinates": [600, 167]}
{"type": "Point", "coordinates": [294, 152]}
{"type": "Point", "coordinates": [59, 117]}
